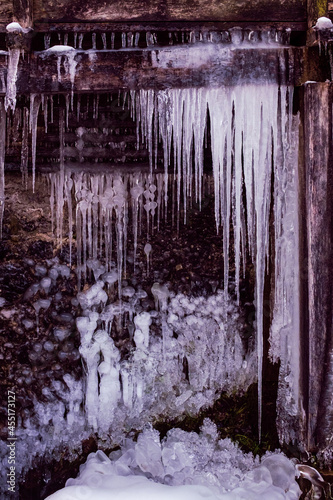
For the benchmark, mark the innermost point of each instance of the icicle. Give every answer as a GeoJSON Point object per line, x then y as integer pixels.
{"type": "Point", "coordinates": [61, 180]}
{"type": "Point", "coordinates": [75, 40]}
{"type": "Point", "coordinates": [113, 36]}
{"type": "Point", "coordinates": [67, 110]}
{"type": "Point", "coordinates": [130, 39]}
{"type": "Point", "coordinates": [35, 101]}
{"type": "Point", "coordinates": [2, 161]}
{"type": "Point", "coordinates": [66, 39]}
{"type": "Point", "coordinates": [47, 41]}
{"type": "Point", "coordinates": [81, 35]}
{"type": "Point", "coordinates": [104, 41]}
{"type": "Point", "coordinates": [136, 192]}
{"type": "Point", "coordinates": [51, 113]}
{"type": "Point", "coordinates": [45, 101]}
{"type": "Point", "coordinates": [13, 61]}
{"type": "Point", "coordinates": [93, 38]}
{"type": "Point", "coordinates": [137, 38]}
{"type": "Point", "coordinates": [147, 249]}
{"type": "Point", "coordinates": [123, 40]}
{"type": "Point", "coordinates": [25, 147]}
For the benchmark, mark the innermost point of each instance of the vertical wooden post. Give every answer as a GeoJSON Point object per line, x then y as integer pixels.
{"type": "Point", "coordinates": [316, 8]}
{"type": "Point", "coordinates": [318, 173]}
{"type": "Point", "coordinates": [23, 12]}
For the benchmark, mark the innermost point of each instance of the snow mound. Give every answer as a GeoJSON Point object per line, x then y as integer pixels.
{"type": "Point", "coordinates": [184, 465]}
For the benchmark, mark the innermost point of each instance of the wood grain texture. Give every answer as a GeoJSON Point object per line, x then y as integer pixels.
{"type": "Point", "coordinates": [170, 10]}
{"type": "Point", "coordinates": [318, 176]}
{"type": "Point", "coordinates": [6, 13]}
{"type": "Point", "coordinates": [102, 71]}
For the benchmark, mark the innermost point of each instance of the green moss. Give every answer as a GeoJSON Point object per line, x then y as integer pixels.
{"type": "Point", "coordinates": [322, 7]}
{"type": "Point", "coordinates": [236, 418]}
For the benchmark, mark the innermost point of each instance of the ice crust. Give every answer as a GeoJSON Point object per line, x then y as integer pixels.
{"type": "Point", "coordinates": [184, 465]}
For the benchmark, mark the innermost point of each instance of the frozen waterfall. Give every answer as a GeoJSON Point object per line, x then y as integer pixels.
{"type": "Point", "coordinates": [254, 142]}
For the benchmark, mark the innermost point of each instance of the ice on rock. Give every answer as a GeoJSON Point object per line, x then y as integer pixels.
{"type": "Point", "coordinates": [142, 322]}
{"type": "Point", "coordinates": [13, 62]}
{"type": "Point", "coordinates": [86, 326]}
{"type": "Point", "coordinates": [45, 284]}
{"type": "Point", "coordinates": [161, 294]}
{"type": "Point", "coordinates": [94, 296]}
{"type": "Point", "coordinates": [183, 332]}
{"type": "Point", "coordinates": [148, 453]}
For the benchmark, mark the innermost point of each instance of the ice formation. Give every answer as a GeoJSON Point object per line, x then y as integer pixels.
{"type": "Point", "coordinates": [184, 465]}
{"type": "Point", "coordinates": [323, 23]}
{"type": "Point", "coordinates": [121, 391]}
{"type": "Point", "coordinates": [251, 150]}
{"type": "Point", "coordinates": [13, 61]}
{"type": "Point", "coordinates": [104, 203]}
{"type": "Point", "coordinates": [167, 369]}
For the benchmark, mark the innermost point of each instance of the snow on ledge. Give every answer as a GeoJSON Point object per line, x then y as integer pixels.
{"type": "Point", "coordinates": [59, 49]}
{"type": "Point", "coordinates": [12, 27]}
{"type": "Point", "coordinates": [323, 23]}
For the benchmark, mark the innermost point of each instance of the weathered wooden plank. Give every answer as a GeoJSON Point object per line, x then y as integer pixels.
{"type": "Point", "coordinates": [158, 26]}
{"type": "Point", "coordinates": [318, 177]}
{"type": "Point", "coordinates": [316, 8]}
{"type": "Point", "coordinates": [23, 12]}
{"type": "Point", "coordinates": [6, 12]}
{"type": "Point", "coordinates": [169, 10]}
{"type": "Point", "coordinates": [103, 71]}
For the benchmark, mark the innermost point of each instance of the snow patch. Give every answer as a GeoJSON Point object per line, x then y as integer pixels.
{"type": "Point", "coordinates": [323, 23]}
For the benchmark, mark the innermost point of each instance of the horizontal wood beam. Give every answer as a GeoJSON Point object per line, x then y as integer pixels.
{"type": "Point", "coordinates": [181, 67]}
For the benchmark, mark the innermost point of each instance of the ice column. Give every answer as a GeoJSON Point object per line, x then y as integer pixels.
{"type": "Point", "coordinates": [14, 58]}
{"type": "Point", "coordinates": [248, 129]}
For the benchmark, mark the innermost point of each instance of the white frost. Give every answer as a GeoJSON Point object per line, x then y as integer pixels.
{"type": "Point", "coordinates": [12, 27]}
{"type": "Point", "coordinates": [184, 465]}
{"type": "Point", "coordinates": [323, 23]}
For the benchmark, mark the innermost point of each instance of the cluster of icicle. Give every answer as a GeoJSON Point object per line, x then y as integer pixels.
{"type": "Point", "coordinates": [254, 152]}
{"type": "Point", "coordinates": [254, 142]}
{"type": "Point", "coordinates": [130, 39]}
{"type": "Point", "coordinates": [152, 381]}
{"type": "Point", "coordinates": [104, 205]}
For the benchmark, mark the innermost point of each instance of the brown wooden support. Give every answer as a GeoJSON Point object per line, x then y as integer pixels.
{"type": "Point", "coordinates": [318, 184]}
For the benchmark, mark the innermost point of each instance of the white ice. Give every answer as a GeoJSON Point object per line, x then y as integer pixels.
{"type": "Point", "coordinates": [323, 23]}
{"type": "Point", "coordinates": [184, 465]}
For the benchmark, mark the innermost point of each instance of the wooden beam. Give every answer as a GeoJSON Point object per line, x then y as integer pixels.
{"type": "Point", "coordinates": [104, 71]}
{"type": "Point", "coordinates": [316, 8]}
